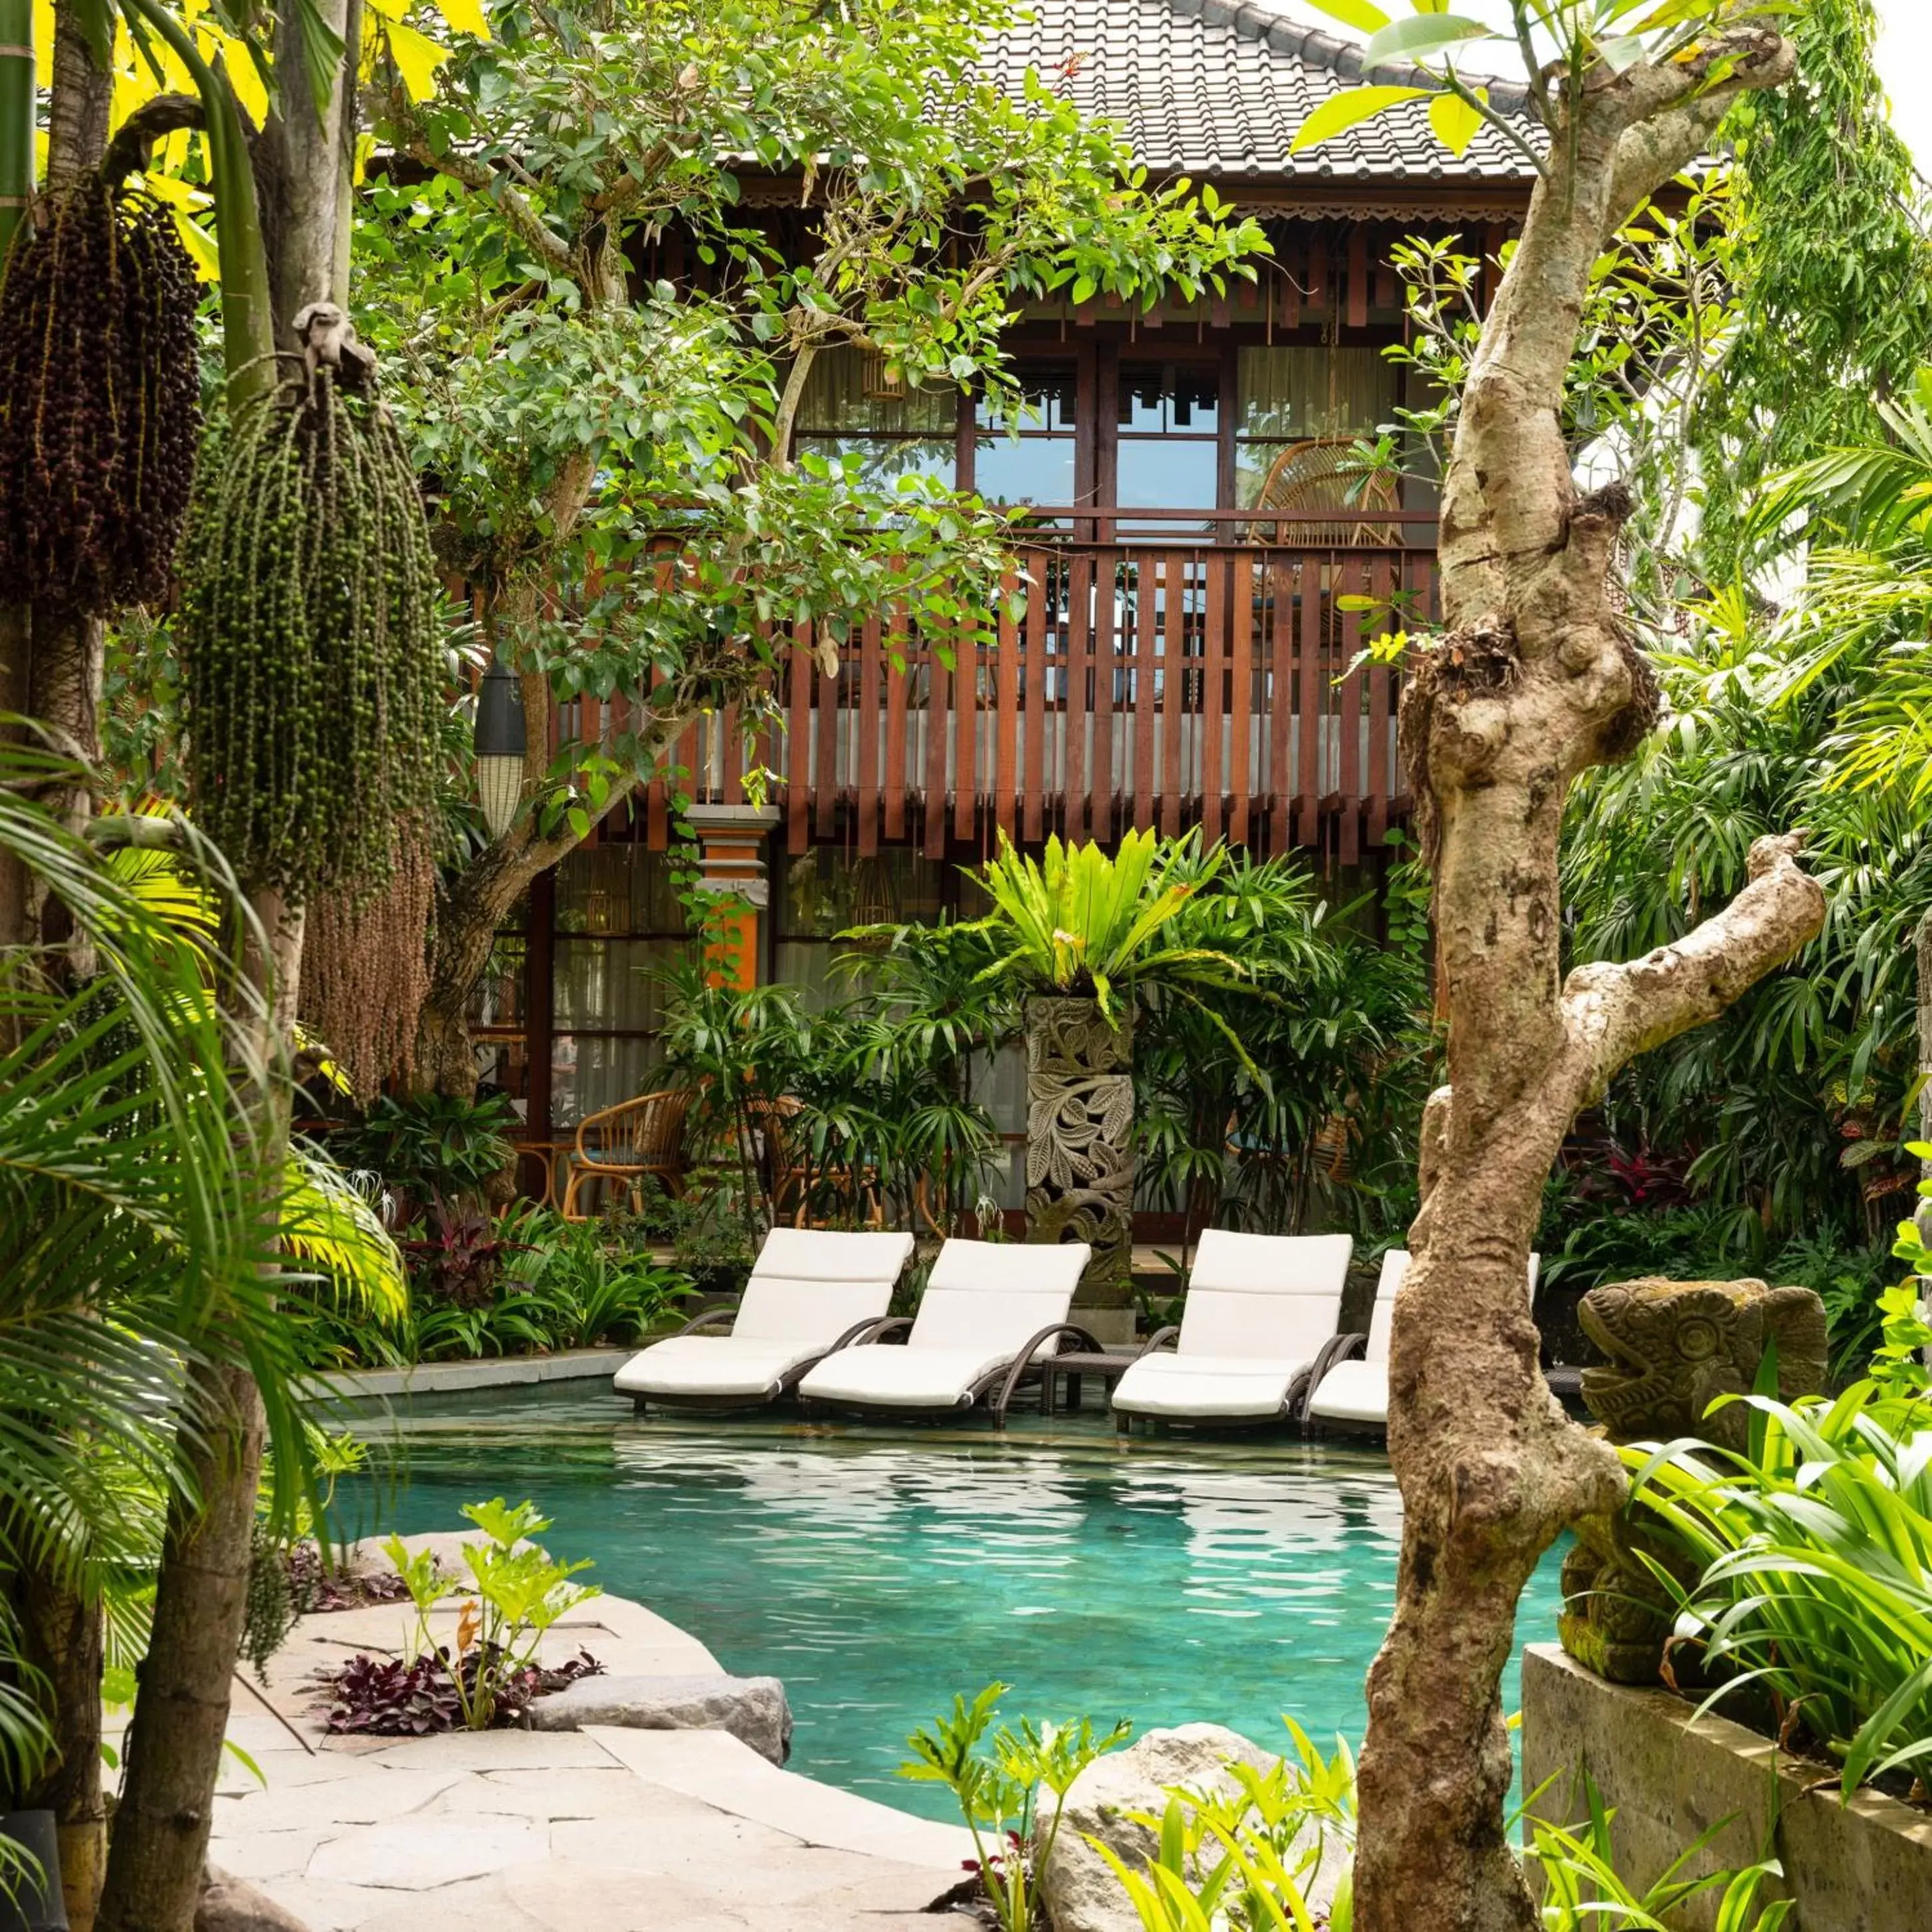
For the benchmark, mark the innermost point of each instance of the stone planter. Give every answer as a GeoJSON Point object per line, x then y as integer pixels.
{"type": "Point", "coordinates": [1080, 1122]}
{"type": "Point", "coordinates": [1864, 1866]}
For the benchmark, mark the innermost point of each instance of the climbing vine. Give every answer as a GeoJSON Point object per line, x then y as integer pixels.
{"type": "Point", "coordinates": [99, 410]}
{"type": "Point", "coordinates": [1832, 274]}
{"type": "Point", "coordinates": [308, 637]}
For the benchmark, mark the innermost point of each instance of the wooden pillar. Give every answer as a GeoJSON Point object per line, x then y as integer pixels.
{"type": "Point", "coordinates": [731, 856]}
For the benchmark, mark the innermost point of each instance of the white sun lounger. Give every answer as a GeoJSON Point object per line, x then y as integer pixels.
{"type": "Point", "coordinates": [1352, 1389]}
{"type": "Point", "coordinates": [1259, 1309]}
{"type": "Point", "coordinates": [990, 1310]}
{"type": "Point", "coordinates": [810, 1294]}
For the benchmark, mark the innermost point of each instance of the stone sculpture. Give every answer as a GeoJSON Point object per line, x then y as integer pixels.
{"type": "Point", "coordinates": [1080, 1119]}
{"type": "Point", "coordinates": [1674, 1347]}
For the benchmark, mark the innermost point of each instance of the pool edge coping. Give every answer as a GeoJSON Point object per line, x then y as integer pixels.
{"type": "Point", "coordinates": [440, 1378]}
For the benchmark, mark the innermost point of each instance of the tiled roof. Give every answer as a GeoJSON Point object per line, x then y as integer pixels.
{"type": "Point", "coordinates": [1218, 87]}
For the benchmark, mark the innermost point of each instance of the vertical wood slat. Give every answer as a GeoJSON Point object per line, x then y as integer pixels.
{"type": "Point", "coordinates": [1281, 696]}
{"type": "Point", "coordinates": [1006, 727]}
{"type": "Point", "coordinates": [1293, 259]}
{"type": "Point", "coordinates": [1080, 599]}
{"type": "Point", "coordinates": [1381, 582]}
{"type": "Point", "coordinates": [966, 735]}
{"type": "Point", "coordinates": [825, 734]}
{"type": "Point", "coordinates": [798, 740]}
{"type": "Point", "coordinates": [897, 725]}
{"type": "Point", "coordinates": [1173, 697]}
{"type": "Point", "coordinates": [1100, 791]}
{"type": "Point", "coordinates": [1349, 782]}
{"type": "Point", "coordinates": [1040, 564]}
{"type": "Point", "coordinates": [1240, 641]}
{"type": "Point", "coordinates": [1214, 607]}
{"type": "Point", "coordinates": [657, 807]}
{"type": "Point", "coordinates": [1308, 796]}
{"type": "Point", "coordinates": [1145, 620]}
{"type": "Point", "coordinates": [871, 655]}
{"type": "Point", "coordinates": [938, 683]}
{"type": "Point", "coordinates": [733, 752]}
{"type": "Point", "coordinates": [1357, 296]}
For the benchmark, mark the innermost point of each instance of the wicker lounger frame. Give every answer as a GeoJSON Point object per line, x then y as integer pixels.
{"type": "Point", "coordinates": [720, 1405]}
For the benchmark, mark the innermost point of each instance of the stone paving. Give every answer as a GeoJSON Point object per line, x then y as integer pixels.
{"type": "Point", "coordinates": [600, 1830]}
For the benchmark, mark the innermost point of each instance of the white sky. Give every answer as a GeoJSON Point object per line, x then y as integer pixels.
{"type": "Point", "coordinates": [1904, 57]}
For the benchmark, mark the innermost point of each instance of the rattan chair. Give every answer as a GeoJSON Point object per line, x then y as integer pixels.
{"type": "Point", "coordinates": [624, 1144]}
{"type": "Point", "coordinates": [1318, 475]}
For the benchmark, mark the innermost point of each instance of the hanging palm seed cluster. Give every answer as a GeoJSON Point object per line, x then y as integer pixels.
{"type": "Point", "coordinates": [365, 967]}
{"type": "Point", "coordinates": [309, 643]}
{"type": "Point", "coordinates": [100, 401]}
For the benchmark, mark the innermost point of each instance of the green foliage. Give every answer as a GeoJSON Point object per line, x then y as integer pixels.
{"type": "Point", "coordinates": [1816, 1553]}
{"type": "Point", "coordinates": [1082, 922]}
{"type": "Point", "coordinates": [998, 1776]}
{"type": "Point", "coordinates": [308, 641]}
{"type": "Point", "coordinates": [1247, 1857]}
{"type": "Point", "coordinates": [1317, 1108]}
{"type": "Point", "coordinates": [429, 1146]}
{"type": "Point", "coordinates": [1831, 272]}
{"type": "Point", "coordinates": [1583, 1891]}
{"type": "Point", "coordinates": [519, 1593]}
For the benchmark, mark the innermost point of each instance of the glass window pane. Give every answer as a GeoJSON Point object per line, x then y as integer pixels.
{"type": "Point", "coordinates": [503, 1066]}
{"type": "Point", "coordinates": [1047, 404]}
{"type": "Point", "coordinates": [1037, 469]}
{"type": "Point", "coordinates": [1163, 400]}
{"type": "Point", "coordinates": [1168, 475]}
{"type": "Point", "coordinates": [881, 462]}
{"type": "Point", "coordinates": [610, 985]}
{"type": "Point", "coordinates": [824, 890]}
{"type": "Point", "coordinates": [587, 1074]}
{"type": "Point", "coordinates": [836, 399]}
{"type": "Point", "coordinates": [1305, 392]}
{"type": "Point", "coordinates": [499, 998]}
{"type": "Point", "coordinates": [617, 888]}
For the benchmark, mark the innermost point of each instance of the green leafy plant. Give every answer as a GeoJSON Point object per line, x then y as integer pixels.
{"type": "Point", "coordinates": [1584, 1892]}
{"type": "Point", "coordinates": [998, 1779]}
{"type": "Point", "coordinates": [1083, 922]}
{"type": "Point", "coordinates": [1814, 1555]}
{"type": "Point", "coordinates": [1248, 1858]}
{"type": "Point", "coordinates": [519, 1593]}
{"type": "Point", "coordinates": [429, 1144]}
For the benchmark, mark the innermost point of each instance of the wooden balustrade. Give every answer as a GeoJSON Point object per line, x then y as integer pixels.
{"type": "Point", "coordinates": [1193, 672]}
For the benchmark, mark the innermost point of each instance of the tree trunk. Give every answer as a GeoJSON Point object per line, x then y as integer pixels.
{"type": "Point", "coordinates": [174, 1746]}
{"type": "Point", "coordinates": [1535, 680]}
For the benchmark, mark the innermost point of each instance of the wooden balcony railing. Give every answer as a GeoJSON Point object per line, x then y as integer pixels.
{"type": "Point", "coordinates": [1170, 668]}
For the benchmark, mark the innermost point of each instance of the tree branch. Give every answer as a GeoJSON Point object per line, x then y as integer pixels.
{"type": "Point", "coordinates": [1664, 138]}
{"type": "Point", "coordinates": [481, 179]}
{"type": "Point", "coordinates": [1611, 1013]}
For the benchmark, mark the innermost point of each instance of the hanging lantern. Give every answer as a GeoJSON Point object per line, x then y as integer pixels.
{"type": "Point", "coordinates": [880, 382]}
{"type": "Point", "coordinates": [500, 742]}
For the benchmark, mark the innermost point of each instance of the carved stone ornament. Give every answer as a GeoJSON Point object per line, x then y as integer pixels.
{"type": "Point", "coordinates": [1080, 1120]}
{"type": "Point", "coordinates": [1674, 1347]}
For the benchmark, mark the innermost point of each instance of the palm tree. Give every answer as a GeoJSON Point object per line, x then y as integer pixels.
{"type": "Point", "coordinates": [138, 1203]}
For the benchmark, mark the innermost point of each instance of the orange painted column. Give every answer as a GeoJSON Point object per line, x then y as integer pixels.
{"type": "Point", "coordinates": [731, 859]}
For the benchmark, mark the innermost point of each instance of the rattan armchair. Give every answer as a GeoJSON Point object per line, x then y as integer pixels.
{"type": "Point", "coordinates": [624, 1144]}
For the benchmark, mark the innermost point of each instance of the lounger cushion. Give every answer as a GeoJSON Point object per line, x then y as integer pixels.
{"type": "Point", "coordinates": [1354, 1392]}
{"type": "Point", "coordinates": [1206, 1385]}
{"type": "Point", "coordinates": [1278, 1297]}
{"type": "Point", "coordinates": [996, 1296]}
{"type": "Point", "coordinates": [712, 1365]}
{"type": "Point", "coordinates": [809, 1286]}
{"type": "Point", "coordinates": [906, 1378]}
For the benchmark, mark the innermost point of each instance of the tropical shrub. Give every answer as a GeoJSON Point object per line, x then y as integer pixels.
{"type": "Point", "coordinates": [1814, 1555]}
{"type": "Point", "coordinates": [998, 1777]}
{"type": "Point", "coordinates": [492, 1666]}
{"type": "Point", "coordinates": [429, 1148]}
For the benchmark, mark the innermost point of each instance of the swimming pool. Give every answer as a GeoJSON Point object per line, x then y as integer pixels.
{"type": "Point", "coordinates": [878, 1572]}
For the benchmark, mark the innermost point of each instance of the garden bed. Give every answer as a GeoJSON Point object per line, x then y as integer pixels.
{"type": "Point", "coordinates": [1670, 1775]}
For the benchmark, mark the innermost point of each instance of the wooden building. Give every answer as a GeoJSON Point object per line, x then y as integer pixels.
{"type": "Point", "coordinates": [1195, 561]}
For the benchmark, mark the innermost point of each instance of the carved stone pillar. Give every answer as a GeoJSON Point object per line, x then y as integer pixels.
{"type": "Point", "coordinates": [1080, 1159]}
{"type": "Point", "coordinates": [731, 846]}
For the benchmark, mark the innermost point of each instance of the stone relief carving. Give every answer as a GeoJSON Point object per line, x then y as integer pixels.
{"type": "Point", "coordinates": [1080, 1117]}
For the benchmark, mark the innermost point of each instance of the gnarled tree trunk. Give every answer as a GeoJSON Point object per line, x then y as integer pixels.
{"type": "Point", "coordinates": [1536, 679]}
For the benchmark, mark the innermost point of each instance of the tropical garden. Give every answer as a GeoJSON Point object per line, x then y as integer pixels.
{"type": "Point", "coordinates": [340, 439]}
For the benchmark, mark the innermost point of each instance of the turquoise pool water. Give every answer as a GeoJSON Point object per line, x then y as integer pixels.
{"type": "Point", "coordinates": [878, 1572]}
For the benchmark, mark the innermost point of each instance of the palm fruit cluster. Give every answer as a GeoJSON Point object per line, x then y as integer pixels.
{"type": "Point", "coordinates": [309, 642]}
{"type": "Point", "coordinates": [100, 401]}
